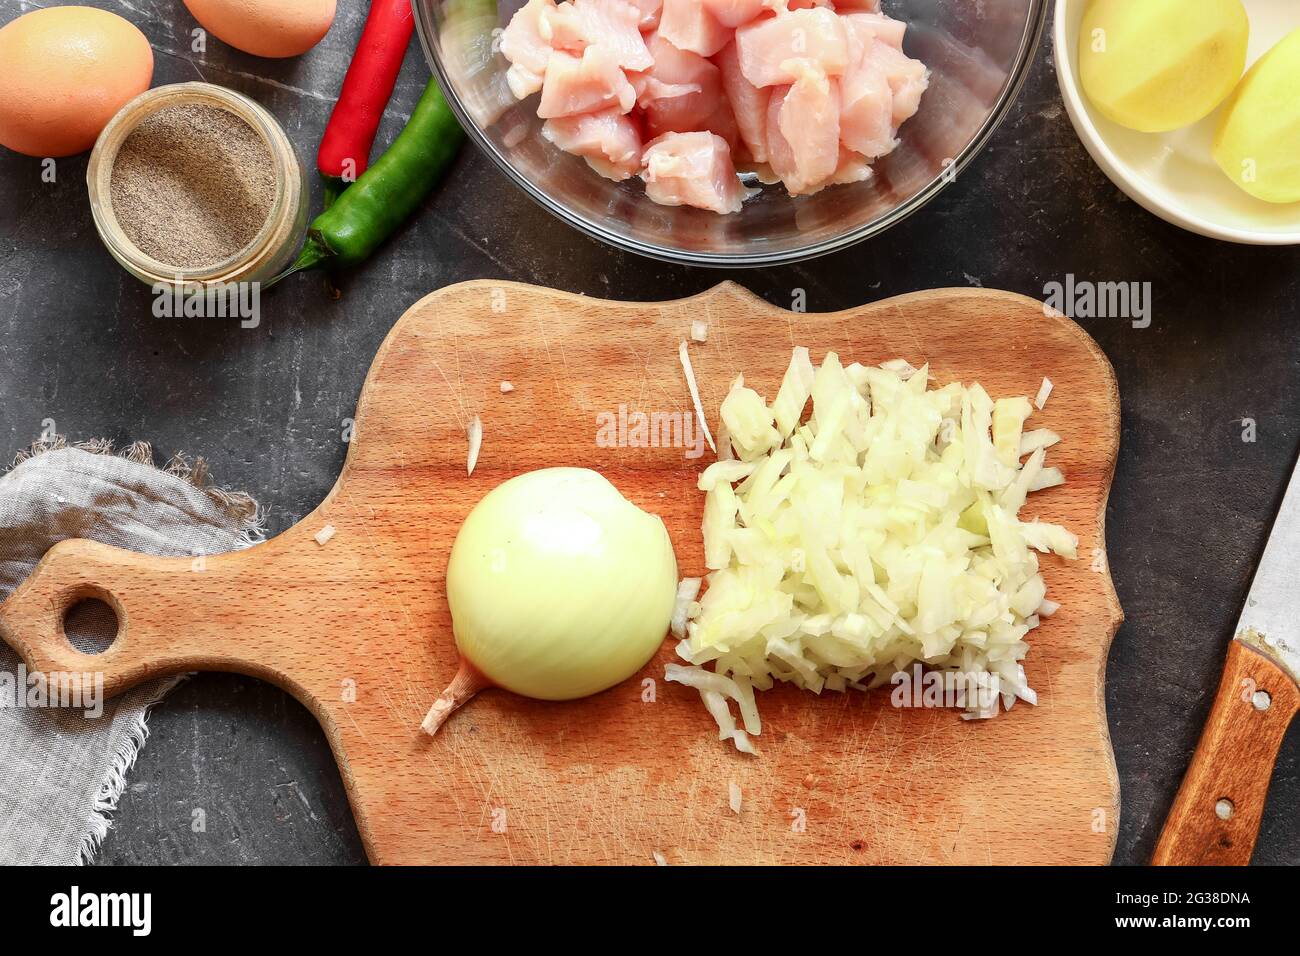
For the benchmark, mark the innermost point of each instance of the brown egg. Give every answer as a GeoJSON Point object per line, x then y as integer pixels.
{"type": "Point", "coordinates": [279, 29]}
{"type": "Point", "coordinates": [65, 71]}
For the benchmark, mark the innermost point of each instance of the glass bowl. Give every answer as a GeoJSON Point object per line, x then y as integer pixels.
{"type": "Point", "coordinates": [978, 53]}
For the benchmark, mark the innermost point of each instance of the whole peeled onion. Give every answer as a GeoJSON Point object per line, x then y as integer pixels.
{"type": "Point", "coordinates": [559, 587]}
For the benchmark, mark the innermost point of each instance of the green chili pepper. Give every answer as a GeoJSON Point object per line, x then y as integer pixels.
{"type": "Point", "coordinates": [331, 188]}
{"type": "Point", "coordinates": [387, 193]}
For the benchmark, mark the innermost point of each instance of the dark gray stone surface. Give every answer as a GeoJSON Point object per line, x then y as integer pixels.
{"type": "Point", "coordinates": [1188, 516]}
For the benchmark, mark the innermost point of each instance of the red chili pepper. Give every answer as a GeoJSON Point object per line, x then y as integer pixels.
{"type": "Point", "coordinates": [345, 148]}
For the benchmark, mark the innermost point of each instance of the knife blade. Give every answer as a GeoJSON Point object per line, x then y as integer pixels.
{"type": "Point", "coordinates": [1215, 817]}
{"type": "Point", "coordinates": [1270, 620]}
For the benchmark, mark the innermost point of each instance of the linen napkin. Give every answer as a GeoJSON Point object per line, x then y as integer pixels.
{"type": "Point", "coordinates": [62, 771]}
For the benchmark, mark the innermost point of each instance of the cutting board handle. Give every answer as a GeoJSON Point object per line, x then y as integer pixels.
{"type": "Point", "coordinates": [1215, 817]}
{"type": "Point", "coordinates": [174, 615]}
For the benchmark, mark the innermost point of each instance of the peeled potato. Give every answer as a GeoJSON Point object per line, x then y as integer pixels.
{"type": "Point", "coordinates": [1158, 65]}
{"type": "Point", "coordinates": [1258, 140]}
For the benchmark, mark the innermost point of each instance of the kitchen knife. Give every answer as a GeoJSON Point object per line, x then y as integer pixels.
{"type": "Point", "coordinates": [1215, 817]}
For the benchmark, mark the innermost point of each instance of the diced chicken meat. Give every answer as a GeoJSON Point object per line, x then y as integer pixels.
{"type": "Point", "coordinates": [609, 141]}
{"type": "Point", "coordinates": [867, 99]}
{"type": "Point", "coordinates": [612, 24]}
{"type": "Point", "coordinates": [807, 92]}
{"type": "Point", "coordinates": [650, 88]}
{"type": "Point", "coordinates": [703, 107]}
{"type": "Point", "coordinates": [722, 122]}
{"type": "Point", "coordinates": [885, 29]}
{"type": "Point", "coordinates": [733, 13]}
{"type": "Point", "coordinates": [803, 130]}
{"type": "Point", "coordinates": [908, 79]}
{"type": "Point", "coordinates": [650, 11]}
{"type": "Point", "coordinates": [672, 64]}
{"type": "Point", "coordinates": [769, 48]}
{"type": "Point", "coordinates": [584, 85]}
{"type": "Point", "coordinates": [692, 169]}
{"type": "Point", "coordinates": [782, 6]}
{"type": "Point", "coordinates": [522, 44]}
{"type": "Point", "coordinates": [748, 103]}
{"type": "Point", "coordinates": [689, 26]}
{"type": "Point", "coordinates": [852, 168]}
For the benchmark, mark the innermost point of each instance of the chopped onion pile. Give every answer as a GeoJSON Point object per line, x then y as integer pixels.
{"type": "Point", "coordinates": [881, 532]}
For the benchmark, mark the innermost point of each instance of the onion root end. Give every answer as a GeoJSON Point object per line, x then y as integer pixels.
{"type": "Point", "coordinates": [467, 682]}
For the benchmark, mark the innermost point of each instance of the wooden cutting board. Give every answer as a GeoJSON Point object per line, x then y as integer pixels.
{"type": "Point", "coordinates": [358, 628]}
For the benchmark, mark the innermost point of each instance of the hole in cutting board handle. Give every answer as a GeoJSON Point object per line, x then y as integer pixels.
{"type": "Point", "coordinates": [91, 625]}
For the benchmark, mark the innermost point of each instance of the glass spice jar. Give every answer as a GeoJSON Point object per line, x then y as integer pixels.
{"type": "Point", "coordinates": [271, 250]}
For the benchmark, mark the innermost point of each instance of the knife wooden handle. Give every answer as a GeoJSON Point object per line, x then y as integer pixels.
{"type": "Point", "coordinates": [1215, 817]}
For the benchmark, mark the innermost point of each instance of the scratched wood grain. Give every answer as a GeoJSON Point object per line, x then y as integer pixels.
{"type": "Point", "coordinates": [358, 628]}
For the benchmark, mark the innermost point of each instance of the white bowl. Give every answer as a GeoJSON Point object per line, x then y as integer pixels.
{"type": "Point", "coordinates": [1173, 174]}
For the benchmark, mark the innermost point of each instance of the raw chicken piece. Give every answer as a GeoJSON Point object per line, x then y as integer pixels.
{"type": "Point", "coordinates": [609, 141]}
{"type": "Point", "coordinates": [692, 169]}
{"type": "Point", "coordinates": [689, 26]}
{"type": "Point", "coordinates": [704, 108]}
{"type": "Point", "coordinates": [594, 82]}
{"type": "Point", "coordinates": [852, 168]}
{"type": "Point", "coordinates": [781, 6]}
{"type": "Point", "coordinates": [650, 10]}
{"type": "Point", "coordinates": [614, 24]}
{"type": "Point", "coordinates": [733, 13]}
{"type": "Point", "coordinates": [768, 47]}
{"type": "Point", "coordinates": [674, 67]}
{"type": "Point", "coordinates": [867, 100]}
{"type": "Point", "coordinates": [650, 88]}
{"type": "Point", "coordinates": [780, 154]}
{"type": "Point", "coordinates": [682, 114]}
{"type": "Point", "coordinates": [563, 28]}
{"type": "Point", "coordinates": [748, 103]}
{"type": "Point", "coordinates": [803, 130]}
{"type": "Point", "coordinates": [723, 122]}
{"type": "Point", "coordinates": [886, 29]}
{"type": "Point", "coordinates": [908, 79]}
{"type": "Point", "coordinates": [523, 46]}
{"type": "Point", "coordinates": [806, 92]}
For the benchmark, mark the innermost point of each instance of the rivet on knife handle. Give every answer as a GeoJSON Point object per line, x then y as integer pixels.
{"type": "Point", "coordinates": [1215, 817]}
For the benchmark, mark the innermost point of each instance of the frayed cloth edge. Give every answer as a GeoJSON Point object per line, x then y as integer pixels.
{"type": "Point", "coordinates": [237, 505]}
{"type": "Point", "coordinates": [110, 791]}
{"type": "Point", "coordinates": [251, 530]}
